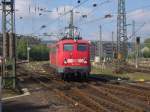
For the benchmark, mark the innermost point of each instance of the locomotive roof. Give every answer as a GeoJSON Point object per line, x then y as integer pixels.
{"type": "Point", "coordinates": [71, 41]}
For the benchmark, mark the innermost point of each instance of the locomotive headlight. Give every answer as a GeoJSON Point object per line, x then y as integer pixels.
{"type": "Point", "coordinates": [85, 60]}
{"type": "Point", "coordinates": [65, 61]}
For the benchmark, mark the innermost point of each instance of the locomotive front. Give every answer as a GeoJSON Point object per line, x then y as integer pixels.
{"type": "Point", "coordinates": [75, 58]}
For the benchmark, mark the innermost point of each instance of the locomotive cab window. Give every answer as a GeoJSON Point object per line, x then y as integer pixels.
{"type": "Point", "coordinates": [68, 47]}
{"type": "Point", "coordinates": [82, 47]}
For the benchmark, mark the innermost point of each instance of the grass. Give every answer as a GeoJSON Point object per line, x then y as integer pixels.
{"type": "Point", "coordinates": [97, 71]}
{"type": "Point", "coordinates": [108, 72]}
{"type": "Point", "coordinates": [35, 65]}
{"type": "Point", "coordinates": [9, 93]}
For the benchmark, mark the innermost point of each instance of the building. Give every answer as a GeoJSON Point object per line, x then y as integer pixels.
{"type": "Point", "coordinates": [1, 44]}
{"type": "Point", "coordinates": [108, 49]}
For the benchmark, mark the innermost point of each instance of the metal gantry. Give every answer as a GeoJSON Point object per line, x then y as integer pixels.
{"type": "Point", "coordinates": [122, 49]}
{"type": "Point", "coordinates": [9, 44]}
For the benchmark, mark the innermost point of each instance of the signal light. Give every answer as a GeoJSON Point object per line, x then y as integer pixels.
{"type": "Point", "coordinates": [138, 40]}
{"type": "Point", "coordinates": [65, 61]}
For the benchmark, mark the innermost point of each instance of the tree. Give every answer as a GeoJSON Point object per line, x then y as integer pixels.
{"type": "Point", "coordinates": [147, 43]}
{"type": "Point", "coordinates": [146, 51]}
{"type": "Point", "coordinates": [22, 49]}
{"type": "Point", "coordinates": [39, 52]}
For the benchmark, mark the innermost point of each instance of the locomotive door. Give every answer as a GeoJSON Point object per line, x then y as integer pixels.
{"type": "Point", "coordinates": [75, 55]}
{"type": "Point", "coordinates": [68, 53]}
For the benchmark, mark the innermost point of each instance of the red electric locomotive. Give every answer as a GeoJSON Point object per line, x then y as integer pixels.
{"type": "Point", "coordinates": [71, 56]}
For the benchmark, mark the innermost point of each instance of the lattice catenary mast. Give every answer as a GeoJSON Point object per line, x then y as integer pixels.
{"type": "Point", "coordinates": [9, 44]}
{"type": "Point", "coordinates": [122, 49]}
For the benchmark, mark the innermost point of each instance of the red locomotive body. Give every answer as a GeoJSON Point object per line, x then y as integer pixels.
{"type": "Point", "coordinates": [69, 56]}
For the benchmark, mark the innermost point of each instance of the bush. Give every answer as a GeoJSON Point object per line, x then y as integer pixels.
{"type": "Point", "coordinates": [39, 53]}
{"type": "Point", "coordinates": [22, 49]}
{"type": "Point", "coordinates": [146, 54]}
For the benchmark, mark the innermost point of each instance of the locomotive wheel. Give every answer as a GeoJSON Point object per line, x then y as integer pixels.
{"type": "Point", "coordinates": [85, 77]}
{"type": "Point", "coordinates": [79, 76]}
{"type": "Point", "coordinates": [62, 76]}
{"type": "Point", "coordinates": [65, 77]}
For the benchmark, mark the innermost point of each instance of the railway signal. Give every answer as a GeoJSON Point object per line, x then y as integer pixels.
{"type": "Point", "coordinates": [137, 40]}
{"type": "Point", "coordinates": [137, 51]}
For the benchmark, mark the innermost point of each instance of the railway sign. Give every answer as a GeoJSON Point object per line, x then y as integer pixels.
{"type": "Point", "coordinates": [28, 48]}
{"type": "Point", "coordinates": [1, 59]}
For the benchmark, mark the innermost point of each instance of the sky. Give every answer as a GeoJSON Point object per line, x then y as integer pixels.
{"type": "Point", "coordinates": [29, 17]}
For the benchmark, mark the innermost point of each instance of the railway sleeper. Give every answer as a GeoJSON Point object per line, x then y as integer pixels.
{"type": "Point", "coordinates": [126, 93]}
{"type": "Point", "coordinates": [116, 99]}
{"type": "Point", "coordinates": [84, 99]}
{"type": "Point", "coordinates": [109, 104]}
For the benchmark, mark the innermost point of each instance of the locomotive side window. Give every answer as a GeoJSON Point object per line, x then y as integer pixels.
{"type": "Point", "coordinates": [82, 47]}
{"type": "Point", "coordinates": [68, 47]}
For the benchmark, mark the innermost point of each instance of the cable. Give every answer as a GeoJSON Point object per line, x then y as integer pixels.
{"type": "Point", "coordinates": [137, 30]}
{"type": "Point", "coordinates": [102, 3]}
{"type": "Point", "coordinates": [62, 15]}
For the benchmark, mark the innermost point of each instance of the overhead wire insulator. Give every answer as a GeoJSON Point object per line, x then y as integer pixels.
{"type": "Point", "coordinates": [79, 1]}
{"type": "Point", "coordinates": [84, 16]}
{"type": "Point", "coordinates": [94, 5]}
{"type": "Point", "coordinates": [108, 16]}
{"type": "Point", "coordinates": [40, 14]}
{"type": "Point", "coordinates": [43, 26]}
{"type": "Point", "coordinates": [20, 17]}
{"type": "Point", "coordinates": [41, 9]}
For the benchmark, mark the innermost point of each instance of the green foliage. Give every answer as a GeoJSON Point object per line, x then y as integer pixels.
{"type": "Point", "coordinates": [131, 55]}
{"type": "Point", "coordinates": [39, 53]}
{"type": "Point", "coordinates": [147, 43]}
{"type": "Point", "coordinates": [22, 49]}
{"type": "Point", "coordinates": [146, 54]}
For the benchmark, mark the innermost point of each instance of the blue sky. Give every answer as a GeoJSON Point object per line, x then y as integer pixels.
{"type": "Point", "coordinates": [138, 10]}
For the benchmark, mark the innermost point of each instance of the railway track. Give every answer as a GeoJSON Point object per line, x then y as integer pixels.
{"type": "Point", "coordinates": [131, 68]}
{"type": "Point", "coordinates": [95, 96]}
{"type": "Point", "coordinates": [126, 89]}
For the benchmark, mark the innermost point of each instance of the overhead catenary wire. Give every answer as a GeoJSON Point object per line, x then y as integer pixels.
{"type": "Point", "coordinates": [93, 10]}
{"type": "Point", "coordinates": [102, 3]}
{"type": "Point", "coordinates": [52, 22]}
{"type": "Point", "coordinates": [114, 14]}
{"type": "Point", "coordinates": [98, 6]}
